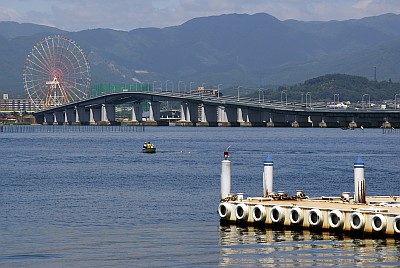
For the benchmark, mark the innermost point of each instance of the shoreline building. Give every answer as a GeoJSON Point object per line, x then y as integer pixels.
{"type": "Point", "coordinates": [8, 105]}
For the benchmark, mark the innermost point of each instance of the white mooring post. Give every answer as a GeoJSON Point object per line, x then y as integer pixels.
{"type": "Point", "coordinates": [359, 181]}
{"type": "Point", "coordinates": [268, 176]}
{"type": "Point", "coordinates": [225, 176]}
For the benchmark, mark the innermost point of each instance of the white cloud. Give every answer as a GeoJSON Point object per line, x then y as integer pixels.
{"type": "Point", "coordinates": [363, 4]}
{"type": "Point", "coordinates": [9, 14]}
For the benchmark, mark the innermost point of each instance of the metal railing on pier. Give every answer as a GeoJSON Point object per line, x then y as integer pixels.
{"type": "Point", "coordinates": [68, 128]}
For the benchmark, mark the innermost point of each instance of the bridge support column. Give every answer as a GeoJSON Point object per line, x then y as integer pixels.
{"type": "Point", "coordinates": [185, 115]}
{"type": "Point", "coordinates": [183, 111]}
{"type": "Point", "coordinates": [386, 124]}
{"type": "Point", "coordinates": [295, 123]}
{"type": "Point", "coordinates": [45, 119]}
{"type": "Point", "coordinates": [203, 118]}
{"type": "Point", "coordinates": [222, 117]}
{"type": "Point", "coordinates": [208, 116]}
{"type": "Point", "coordinates": [270, 123]}
{"type": "Point", "coordinates": [188, 111]}
{"type": "Point", "coordinates": [309, 120]}
{"type": "Point", "coordinates": [103, 113]}
{"type": "Point", "coordinates": [353, 124]}
{"type": "Point", "coordinates": [76, 116]}
{"type": "Point", "coordinates": [65, 118]}
{"type": "Point", "coordinates": [103, 116]}
{"type": "Point", "coordinates": [189, 114]}
{"type": "Point", "coordinates": [243, 117]}
{"type": "Point", "coordinates": [154, 113]}
{"type": "Point", "coordinates": [239, 115]}
{"type": "Point", "coordinates": [77, 122]}
{"type": "Point", "coordinates": [91, 117]}
{"type": "Point", "coordinates": [136, 113]}
{"type": "Point", "coordinates": [83, 115]}
{"type": "Point", "coordinates": [55, 119]}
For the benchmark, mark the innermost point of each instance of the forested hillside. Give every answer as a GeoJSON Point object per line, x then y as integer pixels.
{"type": "Point", "coordinates": [234, 50]}
{"type": "Point", "coordinates": [322, 88]}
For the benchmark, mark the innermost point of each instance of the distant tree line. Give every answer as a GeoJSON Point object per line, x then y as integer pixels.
{"type": "Point", "coordinates": [332, 87]}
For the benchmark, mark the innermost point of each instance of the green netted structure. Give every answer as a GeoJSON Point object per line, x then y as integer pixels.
{"type": "Point", "coordinates": [103, 89]}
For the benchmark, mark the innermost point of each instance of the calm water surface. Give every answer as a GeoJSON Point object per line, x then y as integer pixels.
{"type": "Point", "coordinates": [93, 200]}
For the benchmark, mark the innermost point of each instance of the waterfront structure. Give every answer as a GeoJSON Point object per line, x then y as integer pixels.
{"type": "Point", "coordinates": [212, 110]}
{"type": "Point", "coordinates": [18, 105]}
{"type": "Point", "coordinates": [356, 214]}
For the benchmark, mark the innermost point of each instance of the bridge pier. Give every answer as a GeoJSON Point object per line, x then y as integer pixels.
{"type": "Point", "coordinates": [77, 120]}
{"type": "Point", "coordinates": [183, 122]}
{"type": "Point", "coordinates": [77, 114]}
{"type": "Point", "coordinates": [55, 122]}
{"type": "Point", "coordinates": [240, 115]}
{"type": "Point", "coordinates": [91, 117]}
{"type": "Point", "coordinates": [226, 116]}
{"type": "Point", "coordinates": [322, 124]}
{"type": "Point", "coordinates": [183, 111]}
{"type": "Point", "coordinates": [270, 122]}
{"type": "Point", "coordinates": [45, 120]}
{"type": "Point", "coordinates": [189, 114]}
{"type": "Point", "coordinates": [184, 117]}
{"type": "Point", "coordinates": [154, 114]}
{"type": "Point", "coordinates": [103, 116]}
{"type": "Point", "coordinates": [352, 124]}
{"type": "Point", "coordinates": [208, 116]}
{"type": "Point", "coordinates": [65, 122]}
{"type": "Point", "coordinates": [243, 117]}
{"type": "Point", "coordinates": [386, 124]}
{"type": "Point", "coordinates": [136, 114]}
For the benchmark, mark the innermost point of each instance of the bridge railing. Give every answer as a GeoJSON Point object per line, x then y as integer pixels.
{"type": "Point", "coordinates": [223, 99]}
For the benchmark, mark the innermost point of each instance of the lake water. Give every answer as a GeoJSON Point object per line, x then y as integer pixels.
{"type": "Point", "coordinates": [94, 200]}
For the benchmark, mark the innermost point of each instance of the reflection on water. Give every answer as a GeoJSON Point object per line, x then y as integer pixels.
{"type": "Point", "coordinates": [252, 247]}
{"type": "Point", "coordinates": [92, 199]}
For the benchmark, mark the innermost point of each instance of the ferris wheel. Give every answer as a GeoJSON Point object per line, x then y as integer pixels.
{"type": "Point", "coordinates": [56, 72]}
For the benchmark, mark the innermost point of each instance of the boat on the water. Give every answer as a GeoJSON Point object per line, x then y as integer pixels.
{"type": "Point", "coordinates": [148, 148]}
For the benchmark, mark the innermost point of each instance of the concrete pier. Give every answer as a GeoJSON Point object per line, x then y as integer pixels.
{"type": "Point", "coordinates": [358, 214]}
{"type": "Point", "coordinates": [324, 213]}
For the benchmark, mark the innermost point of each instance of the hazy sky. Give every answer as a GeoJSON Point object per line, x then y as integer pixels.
{"type": "Point", "coordinates": [75, 15]}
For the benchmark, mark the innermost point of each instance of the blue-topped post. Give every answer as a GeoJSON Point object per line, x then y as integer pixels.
{"type": "Point", "coordinates": [268, 176]}
{"type": "Point", "coordinates": [359, 181]}
{"type": "Point", "coordinates": [225, 176]}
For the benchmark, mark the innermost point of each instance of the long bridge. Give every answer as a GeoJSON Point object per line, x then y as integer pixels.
{"type": "Point", "coordinates": [215, 110]}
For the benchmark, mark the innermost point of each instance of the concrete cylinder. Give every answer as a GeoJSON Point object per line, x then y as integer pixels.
{"type": "Point", "coordinates": [268, 176]}
{"type": "Point", "coordinates": [359, 181]}
{"type": "Point", "coordinates": [225, 178]}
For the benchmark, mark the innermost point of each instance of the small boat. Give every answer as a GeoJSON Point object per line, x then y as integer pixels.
{"type": "Point", "coordinates": [148, 148]}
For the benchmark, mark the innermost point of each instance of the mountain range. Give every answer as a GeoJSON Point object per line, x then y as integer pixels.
{"type": "Point", "coordinates": [232, 50]}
